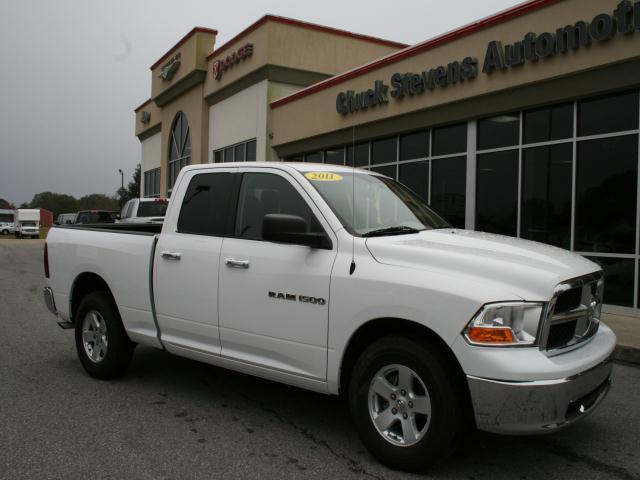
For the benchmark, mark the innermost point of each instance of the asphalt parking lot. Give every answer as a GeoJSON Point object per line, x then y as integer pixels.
{"type": "Point", "coordinates": [175, 418]}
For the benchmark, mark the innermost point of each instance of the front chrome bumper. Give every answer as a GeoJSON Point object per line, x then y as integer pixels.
{"type": "Point", "coordinates": [539, 406]}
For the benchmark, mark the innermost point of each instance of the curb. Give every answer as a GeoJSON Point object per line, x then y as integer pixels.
{"type": "Point", "coordinates": [624, 353]}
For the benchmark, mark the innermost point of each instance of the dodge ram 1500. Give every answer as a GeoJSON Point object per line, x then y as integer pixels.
{"type": "Point", "coordinates": [343, 281]}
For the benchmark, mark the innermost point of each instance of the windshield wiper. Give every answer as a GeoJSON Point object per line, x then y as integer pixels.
{"type": "Point", "coordinates": [398, 230]}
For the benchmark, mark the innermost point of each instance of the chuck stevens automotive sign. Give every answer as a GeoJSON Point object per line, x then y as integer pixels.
{"type": "Point", "coordinates": [625, 20]}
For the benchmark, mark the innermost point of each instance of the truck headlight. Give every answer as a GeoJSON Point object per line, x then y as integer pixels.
{"type": "Point", "coordinates": [505, 324]}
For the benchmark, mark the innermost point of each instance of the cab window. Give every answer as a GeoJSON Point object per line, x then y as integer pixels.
{"type": "Point", "coordinates": [265, 193]}
{"type": "Point", "coordinates": [205, 206]}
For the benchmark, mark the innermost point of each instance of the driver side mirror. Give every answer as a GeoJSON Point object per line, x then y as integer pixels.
{"type": "Point", "coordinates": [277, 227]}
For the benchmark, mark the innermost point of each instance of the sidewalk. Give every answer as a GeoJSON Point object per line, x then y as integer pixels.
{"type": "Point", "coordinates": [627, 329]}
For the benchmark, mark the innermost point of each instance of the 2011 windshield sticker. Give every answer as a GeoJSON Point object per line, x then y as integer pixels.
{"type": "Point", "coordinates": [323, 176]}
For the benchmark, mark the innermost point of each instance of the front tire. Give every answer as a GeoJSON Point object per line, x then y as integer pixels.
{"type": "Point", "coordinates": [103, 347]}
{"type": "Point", "coordinates": [405, 403]}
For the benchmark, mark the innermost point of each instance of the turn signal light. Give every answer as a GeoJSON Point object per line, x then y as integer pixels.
{"type": "Point", "coordinates": [490, 335]}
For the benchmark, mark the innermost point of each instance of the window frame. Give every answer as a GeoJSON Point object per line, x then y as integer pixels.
{"type": "Point", "coordinates": [181, 151]}
{"type": "Point", "coordinates": [232, 148]}
{"type": "Point", "coordinates": [230, 226]}
{"type": "Point", "coordinates": [295, 184]}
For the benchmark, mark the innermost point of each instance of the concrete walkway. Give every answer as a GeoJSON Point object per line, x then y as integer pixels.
{"type": "Point", "coordinates": [627, 329]}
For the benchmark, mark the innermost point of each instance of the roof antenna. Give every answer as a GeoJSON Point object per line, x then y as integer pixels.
{"type": "Point", "coordinates": [352, 268]}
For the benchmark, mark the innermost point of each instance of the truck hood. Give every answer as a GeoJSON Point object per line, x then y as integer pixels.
{"type": "Point", "coordinates": [525, 269]}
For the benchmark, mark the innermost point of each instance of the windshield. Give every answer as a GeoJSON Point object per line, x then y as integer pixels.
{"type": "Point", "coordinates": [152, 209]}
{"type": "Point", "coordinates": [382, 205]}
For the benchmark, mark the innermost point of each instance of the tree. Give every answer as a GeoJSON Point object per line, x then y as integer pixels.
{"type": "Point", "coordinates": [54, 202]}
{"type": "Point", "coordinates": [6, 205]}
{"type": "Point", "coordinates": [132, 190]}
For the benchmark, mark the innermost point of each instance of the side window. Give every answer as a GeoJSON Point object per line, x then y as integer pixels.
{"type": "Point", "coordinates": [265, 193]}
{"type": "Point", "coordinates": [205, 206]}
{"type": "Point", "coordinates": [126, 210]}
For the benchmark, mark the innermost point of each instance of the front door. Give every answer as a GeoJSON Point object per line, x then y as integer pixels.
{"type": "Point", "coordinates": [187, 261]}
{"type": "Point", "coordinates": [274, 298]}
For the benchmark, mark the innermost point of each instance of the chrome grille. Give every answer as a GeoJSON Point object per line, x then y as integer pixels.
{"type": "Point", "coordinates": [573, 314]}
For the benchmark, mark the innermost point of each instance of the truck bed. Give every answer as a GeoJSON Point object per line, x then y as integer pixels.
{"type": "Point", "coordinates": [130, 228]}
{"type": "Point", "coordinates": [119, 254]}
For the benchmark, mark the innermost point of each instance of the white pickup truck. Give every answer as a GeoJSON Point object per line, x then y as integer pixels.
{"type": "Point", "coordinates": [268, 269]}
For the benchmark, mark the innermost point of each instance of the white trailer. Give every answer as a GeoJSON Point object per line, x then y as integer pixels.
{"type": "Point", "coordinates": [27, 222]}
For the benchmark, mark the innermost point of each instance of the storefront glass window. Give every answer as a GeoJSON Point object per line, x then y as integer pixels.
{"type": "Point", "coordinates": [448, 188]}
{"type": "Point", "coordinates": [612, 113]}
{"type": "Point", "coordinates": [545, 124]}
{"type": "Point", "coordinates": [499, 131]}
{"type": "Point", "coordinates": [618, 284]}
{"type": "Point", "coordinates": [450, 139]}
{"type": "Point", "coordinates": [414, 145]}
{"type": "Point", "coordinates": [497, 192]}
{"type": "Point", "coordinates": [314, 157]}
{"type": "Point", "coordinates": [388, 170]}
{"type": "Point", "coordinates": [546, 198]}
{"type": "Point", "coordinates": [334, 156]}
{"type": "Point", "coordinates": [239, 153]}
{"type": "Point", "coordinates": [228, 154]}
{"type": "Point", "coordinates": [361, 154]}
{"type": "Point", "coordinates": [606, 183]}
{"type": "Point", "coordinates": [415, 175]}
{"type": "Point", "coordinates": [384, 150]}
{"type": "Point", "coordinates": [251, 151]}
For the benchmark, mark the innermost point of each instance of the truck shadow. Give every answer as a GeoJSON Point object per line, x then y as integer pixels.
{"type": "Point", "coordinates": [197, 393]}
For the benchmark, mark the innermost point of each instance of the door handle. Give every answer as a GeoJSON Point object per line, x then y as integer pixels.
{"type": "Point", "coordinates": [171, 255]}
{"type": "Point", "coordinates": [232, 262]}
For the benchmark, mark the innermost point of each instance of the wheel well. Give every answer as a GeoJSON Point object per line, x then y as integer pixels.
{"type": "Point", "coordinates": [383, 327]}
{"type": "Point", "coordinates": [84, 284]}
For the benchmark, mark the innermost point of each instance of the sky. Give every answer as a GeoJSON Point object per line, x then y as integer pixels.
{"type": "Point", "coordinates": [72, 71]}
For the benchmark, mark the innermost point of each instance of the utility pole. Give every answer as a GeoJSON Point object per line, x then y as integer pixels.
{"type": "Point", "coordinates": [121, 178]}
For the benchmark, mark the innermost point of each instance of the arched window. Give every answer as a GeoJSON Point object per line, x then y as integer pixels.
{"type": "Point", "coordinates": [179, 147]}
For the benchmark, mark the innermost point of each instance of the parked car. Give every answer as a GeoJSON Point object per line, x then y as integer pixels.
{"type": "Point", "coordinates": [66, 219]}
{"type": "Point", "coordinates": [27, 222]}
{"type": "Point", "coordinates": [7, 228]}
{"type": "Point", "coordinates": [96, 216]}
{"type": "Point", "coordinates": [280, 271]}
{"type": "Point", "coordinates": [144, 210]}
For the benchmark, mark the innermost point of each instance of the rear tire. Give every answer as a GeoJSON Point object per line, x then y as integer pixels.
{"type": "Point", "coordinates": [415, 399]}
{"type": "Point", "coordinates": [103, 347]}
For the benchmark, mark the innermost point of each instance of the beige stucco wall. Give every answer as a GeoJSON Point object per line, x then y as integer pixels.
{"type": "Point", "coordinates": [193, 54]}
{"type": "Point", "coordinates": [244, 116]}
{"type": "Point", "coordinates": [319, 109]}
{"type": "Point", "coordinates": [295, 47]}
{"type": "Point", "coordinates": [238, 118]}
{"type": "Point", "coordinates": [156, 117]}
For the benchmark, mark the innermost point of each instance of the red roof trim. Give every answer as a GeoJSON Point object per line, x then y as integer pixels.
{"type": "Point", "coordinates": [500, 17]}
{"type": "Point", "coordinates": [307, 25]}
{"type": "Point", "coordinates": [181, 41]}
{"type": "Point", "coordinates": [142, 105]}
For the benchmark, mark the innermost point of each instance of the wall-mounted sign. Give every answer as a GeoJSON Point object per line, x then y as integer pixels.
{"type": "Point", "coordinates": [145, 117]}
{"type": "Point", "coordinates": [221, 66]}
{"type": "Point", "coordinates": [169, 69]}
{"type": "Point", "coordinates": [603, 27]}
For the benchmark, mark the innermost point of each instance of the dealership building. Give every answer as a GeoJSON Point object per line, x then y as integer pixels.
{"type": "Point", "coordinates": [525, 123]}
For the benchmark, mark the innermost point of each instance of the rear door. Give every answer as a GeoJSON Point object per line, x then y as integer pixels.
{"type": "Point", "coordinates": [187, 260]}
{"type": "Point", "coordinates": [274, 298]}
